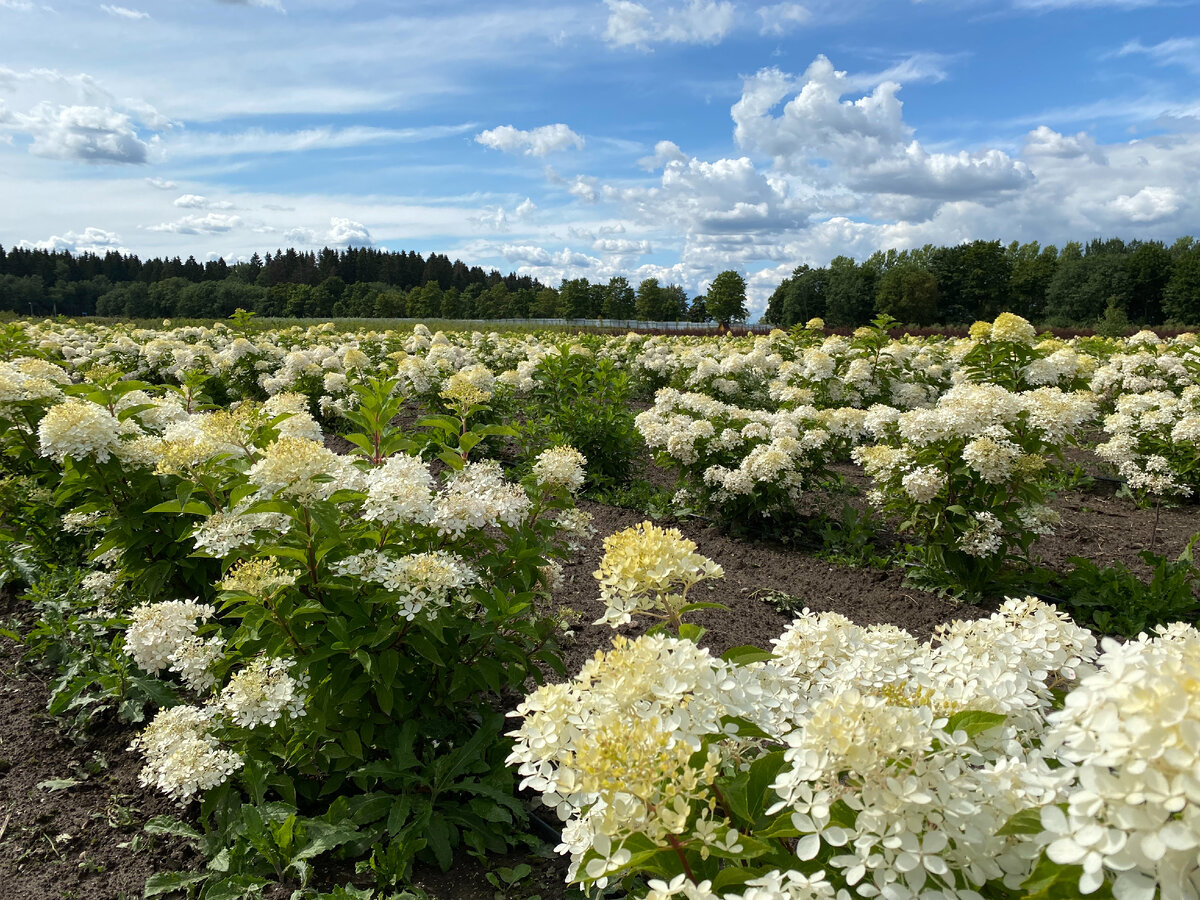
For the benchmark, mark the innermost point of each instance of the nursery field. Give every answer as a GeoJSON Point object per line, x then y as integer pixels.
{"type": "Point", "coordinates": [332, 612]}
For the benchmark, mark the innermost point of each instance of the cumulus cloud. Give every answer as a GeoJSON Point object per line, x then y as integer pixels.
{"type": "Point", "coordinates": [86, 133]}
{"type": "Point", "coordinates": [782, 17]}
{"type": "Point", "coordinates": [342, 232]}
{"type": "Point", "coordinates": [162, 184]}
{"type": "Point", "coordinates": [636, 25]}
{"type": "Point", "coordinates": [525, 208]}
{"type": "Point", "coordinates": [863, 143]}
{"type": "Point", "coordinates": [534, 142]}
{"type": "Point", "coordinates": [212, 223]}
{"type": "Point", "coordinates": [664, 152]}
{"type": "Point", "coordinates": [18, 5]}
{"type": "Point", "coordinates": [347, 233]}
{"type": "Point", "coordinates": [1150, 204]}
{"type": "Point", "coordinates": [124, 12]}
{"type": "Point", "coordinates": [90, 240]}
{"type": "Point", "coordinates": [492, 218]}
{"type": "Point", "coordinates": [536, 255]}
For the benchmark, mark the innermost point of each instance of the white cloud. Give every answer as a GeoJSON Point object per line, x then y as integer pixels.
{"type": "Point", "coordinates": [1150, 204]}
{"type": "Point", "coordinates": [525, 208]}
{"type": "Point", "coordinates": [347, 232]}
{"type": "Point", "coordinates": [534, 142]}
{"type": "Point", "coordinates": [18, 5]}
{"type": "Point", "coordinates": [162, 184]}
{"type": "Point", "coordinates": [583, 187]}
{"type": "Point", "coordinates": [863, 143]}
{"type": "Point", "coordinates": [698, 22]}
{"type": "Point", "coordinates": [90, 240]}
{"type": "Point", "coordinates": [124, 12]}
{"type": "Point", "coordinates": [342, 232]}
{"type": "Point", "coordinates": [257, 141]}
{"type": "Point", "coordinates": [566, 260]}
{"type": "Point", "coordinates": [620, 247]}
{"type": "Point", "coordinates": [197, 201]}
{"type": "Point", "coordinates": [1179, 51]}
{"type": "Point", "coordinates": [86, 133]}
{"type": "Point", "coordinates": [782, 17]}
{"type": "Point", "coordinates": [664, 152]}
{"type": "Point", "coordinates": [269, 4]}
{"type": "Point", "coordinates": [212, 223]}
{"type": "Point", "coordinates": [492, 219]}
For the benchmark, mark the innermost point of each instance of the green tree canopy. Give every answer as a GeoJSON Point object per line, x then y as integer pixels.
{"type": "Point", "coordinates": [727, 298]}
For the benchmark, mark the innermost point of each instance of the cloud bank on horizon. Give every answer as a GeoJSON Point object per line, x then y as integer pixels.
{"type": "Point", "coordinates": [660, 138]}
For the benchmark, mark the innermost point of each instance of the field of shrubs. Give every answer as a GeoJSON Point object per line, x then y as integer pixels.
{"type": "Point", "coordinates": [312, 584]}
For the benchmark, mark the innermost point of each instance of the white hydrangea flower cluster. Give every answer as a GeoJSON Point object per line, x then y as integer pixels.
{"type": "Point", "coordinates": [479, 497]}
{"type": "Point", "coordinates": [423, 582]}
{"type": "Point", "coordinates": [303, 470]}
{"type": "Point", "coordinates": [299, 422]}
{"type": "Point", "coordinates": [647, 570]}
{"type": "Point", "coordinates": [78, 429]}
{"type": "Point", "coordinates": [610, 750]}
{"type": "Point", "coordinates": [262, 692]}
{"type": "Point", "coordinates": [226, 531]}
{"type": "Point", "coordinates": [576, 526]}
{"type": "Point", "coordinates": [1129, 736]}
{"type": "Point", "coordinates": [29, 379]}
{"type": "Point", "coordinates": [156, 630]}
{"type": "Point", "coordinates": [871, 721]}
{"type": "Point", "coordinates": [1155, 441]}
{"type": "Point", "coordinates": [182, 756]}
{"type": "Point", "coordinates": [399, 492]}
{"type": "Point", "coordinates": [728, 452]}
{"type": "Point", "coordinates": [560, 467]}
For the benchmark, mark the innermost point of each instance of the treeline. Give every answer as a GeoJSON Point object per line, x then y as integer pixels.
{"type": "Point", "coordinates": [358, 281]}
{"type": "Point", "coordinates": [1143, 282]}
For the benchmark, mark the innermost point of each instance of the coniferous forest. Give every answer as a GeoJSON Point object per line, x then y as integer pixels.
{"type": "Point", "coordinates": [1114, 281]}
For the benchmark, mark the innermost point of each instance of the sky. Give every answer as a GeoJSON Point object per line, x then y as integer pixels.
{"type": "Point", "coordinates": [596, 138]}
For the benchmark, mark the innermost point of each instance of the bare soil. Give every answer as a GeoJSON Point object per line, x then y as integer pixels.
{"type": "Point", "coordinates": [71, 810]}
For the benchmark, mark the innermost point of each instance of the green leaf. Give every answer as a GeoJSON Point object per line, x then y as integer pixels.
{"type": "Point", "coordinates": [745, 654]}
{"type": "Point", "coordinates": [167, 882]}
{"type": "Point", "coordinates": [58, 784]}
{"type": "Point", "coordinates": [172, 826]}
{"type": "Point", "coordinates": [1027, 821]}
{"type": "Point", "coordinates": [324, 837]}
{"type": "Point", "coordinates": [974, 722]}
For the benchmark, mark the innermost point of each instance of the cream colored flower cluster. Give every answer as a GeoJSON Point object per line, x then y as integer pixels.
{"type": "Point", "coordinates": [156, 630]}
{"type": "Point", "coordinates": [611, 751]}
{"type": "Point", "coordinates": [422, 582]}
{"type": "Point", "coordinates": [851, 372]}
{"type": "Point", "coordinates": [301, 469]}
{"type": "Point", "coordinates": [1155, 441]}
{"type": "Point", "coordinates": [479, 497]}
{"type": "Point", "coordinates": [1129, 736]}
{"type": "Point", "coordinates": [79, 429]}
{"type": "Point", "coordinates": [225, 531]}
{"type": "Point", "coordinates": [731, 451]}
{"type": "Point", "coordinates": [30, 379]}
{"type": "Point", "coordinates": [262, 692]}
{"type": "Point", "coordinates": [560, 467]}
{"type": "Point", "coordinates": [928, 749]}
{"type": "Point", "coordinates": [183, 757]}
{"type": "Point", "coordinates": [649, 570]}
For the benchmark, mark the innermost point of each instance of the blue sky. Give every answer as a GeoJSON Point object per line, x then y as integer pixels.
{"type": "Point", "coordinates": [635, 137]}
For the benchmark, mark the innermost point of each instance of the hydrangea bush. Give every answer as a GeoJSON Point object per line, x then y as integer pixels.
{"type": "Point", "coordinates": [1002, 758]}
